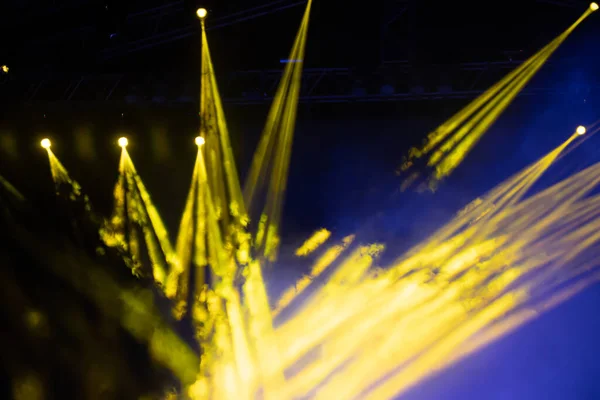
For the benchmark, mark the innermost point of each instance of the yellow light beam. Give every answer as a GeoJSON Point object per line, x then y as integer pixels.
{"type": "Point", "coordinates": [480, 280]}
{"type": "Point", "coordinates": [276, 143]}
{"type": "Point", "coordinates": [133, 211]}
{"type": "Point", "coordinates": [322, 263]}
{"type": "Point", "coordinates": [452, 141]}
{"type": "Point", "coordinates": [224, 179]}
{"type": "Point", "coordinates": [313, 242]}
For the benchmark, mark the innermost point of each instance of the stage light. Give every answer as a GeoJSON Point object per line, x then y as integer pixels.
{"type": "Point", "coordinates": [594, 6]}
{"type": "Point", "coordinates": [201, 13]}
{"type": "Point", "coordinates": [46, 143]}
{"type": "Point", "coordinates": [5, 69]}
{"type": "Point", "coordinates": [199, 140]}
{"type": "Point", "coordinates": [581, 130]}
{"type": "Point", "coordinates": [123, 142]}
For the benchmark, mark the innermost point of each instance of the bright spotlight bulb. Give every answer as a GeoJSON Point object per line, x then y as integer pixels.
{"type": "Point", "coordinates": [123, 142]}
{"type": "Point", "coordinates": [581, 130]}
{"type": "Point", "coordinates": [201, 13]}
{"type": "Point", "coordinates": [199, 140]}
{"type": "Point", "coordinates": [594, 6]}
{"type": "Point", "coordinates": [46, 143]}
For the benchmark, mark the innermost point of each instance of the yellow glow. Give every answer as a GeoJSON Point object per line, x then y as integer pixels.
{"type": "Point", "coordinates": [222, 177]}
{"type": "Point", "coordinates": [136, 223]}
{"type": "Point", "coordinates": [28, 387]}
{"type": "Point", "coordinates": [581, 130]}
{"type": "Point", "coordinates": [313, 242]}
{"type": "Point", "coordinates": [361, 330]}
{"type": "Point", "coordinates": [123, 142]}
{"type": "Point", "coordinates": [594, 6]}
{"type": "Point", "coordinates": [45, 143]}
{"type": "Point", "coordinates": [448, 145]}
{"type": "Point", "coordinates": [5, 69]}
{"type": "Point", "coordinates": [60, 174]}
{"type": "Point", "coordinates": [270, 165]}
{"type": "Point", "coordinates": [201, 13]}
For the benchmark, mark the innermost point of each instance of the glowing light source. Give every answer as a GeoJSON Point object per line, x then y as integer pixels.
{"type": "Point", "coordinates": [201, 13]}
{"type": "Point", "coordinates": [473, 299]}
{"type": "Point", "coordinates": [594, 6]}
{"type": "Point", "coordinates": [449, 144]}
{"type": "Point", "coordinates": [5, 68]}
{"type": "Point", "coordinates": [46, 143]}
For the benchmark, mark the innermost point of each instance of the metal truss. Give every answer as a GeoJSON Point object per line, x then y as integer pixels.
{"type": "Point", "coordinates": [391, 82]}
{"type": "Point", "coordinates": [152, 27]}
{"type": "Point", "coordinates": [169, 23]}
{"type": "Point", "coordinates": [566, 3]}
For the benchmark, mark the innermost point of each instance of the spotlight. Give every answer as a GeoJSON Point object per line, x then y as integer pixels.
{"type": "Point", "coordinates": [201, 13]}
{"type": "Point", "coordinates": [581, 130]}
{"type": "Point", "coordinates": [5, 69]}
{"type": "Point", "coordinates": [46, 143]}
{"type": "Point", "coordinates": [594, 6]}
{"type": "Point", "coordinates": [123, 142]}
{"type": "Point", "coordinates": [199, 141]}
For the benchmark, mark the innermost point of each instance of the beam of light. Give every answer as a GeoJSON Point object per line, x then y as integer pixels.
{"type": "Point", "coordinates": [134, 212]}
{"type": "Point", "coordinates": [268, 353]}
{"type": "Point", "coordinates": [223, 178]}
{"type": "Point", "coordinates": [215, 196]}
{"type": "Point", "coordinates": [224, 338]}
{"type": "Point", "coordinates": [10, 189]}
{"type": "Point", "coordinates": [217, 309]}
{"type": "Point", "coordinates": [274, 151]}
{"type": "Point", "coordinates": [60, 176]}
{"type": "Point", "coordinates": [507, 262]}
{"type": "Point", "coordinates": [178, 279]}
{"type": "Point", "coordinates": [322, 263]}
{"type": "Point", "coordinates": [158, 230]}
{"type": "Point", "coordinates": [445, 241]}
{"type": "Point", "coordinates": [375, 335]}
{"type": "Point", "coordinates": [364, 330]}
{"type": "Point", "coordinates": [449, 144]}
{"type": "Point", "coordinates": [312, 243]}
{"type": "Point", "coordinates": [462, 281]}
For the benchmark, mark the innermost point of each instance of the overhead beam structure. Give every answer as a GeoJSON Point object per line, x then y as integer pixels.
{"type": "Point", "coordinates": [169, 22]}
{"type": "Point", "coordinates": [564, 3]}
{"type": "Point", "coordinates": [391, 82]}
{"type": "Point", "coordinates": [162, 32]}
{"type": "Point", "coordinates": [390, 79]}
{"type": "Point", "coordinates": [152, 27]}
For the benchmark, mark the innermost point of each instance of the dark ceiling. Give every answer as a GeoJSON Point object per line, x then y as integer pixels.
{"type": "Point", "coordinates": [256, 33]}
{"type": "Point", "coordinates": [39, 38]}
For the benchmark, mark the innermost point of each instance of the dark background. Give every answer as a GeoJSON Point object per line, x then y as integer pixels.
{"type": "Point", "coordinates": [345, 151]}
